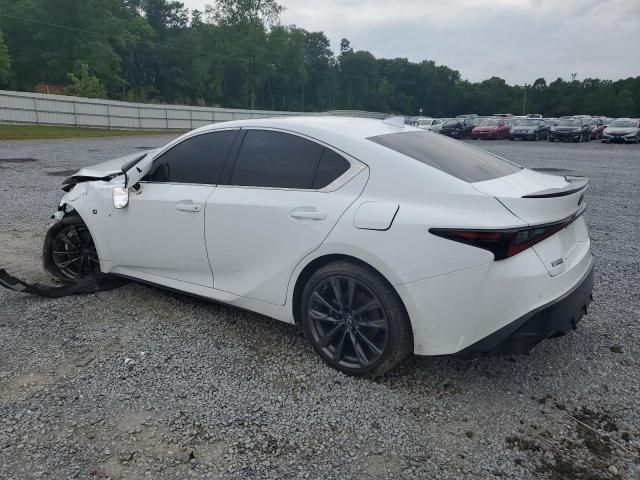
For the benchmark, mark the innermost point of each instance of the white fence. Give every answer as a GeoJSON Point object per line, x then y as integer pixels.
{"type": "Point", "coordinates": [39, 108]}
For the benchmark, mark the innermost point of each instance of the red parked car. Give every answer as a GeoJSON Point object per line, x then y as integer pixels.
{"type": "Point", "coordinates": [491, 128]}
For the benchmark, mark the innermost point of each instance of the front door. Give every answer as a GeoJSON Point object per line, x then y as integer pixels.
{"type": "Point", "coordinates": [161, 230]}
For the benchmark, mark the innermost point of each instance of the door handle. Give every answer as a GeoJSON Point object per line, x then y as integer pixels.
{"type": "Point", "coordinates": [188, 207]}
{"type": "Point", "coordinates": [306, 213]}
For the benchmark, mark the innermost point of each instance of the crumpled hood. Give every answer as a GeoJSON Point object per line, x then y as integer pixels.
{"type": "Point", "coordinates": [110, 167]}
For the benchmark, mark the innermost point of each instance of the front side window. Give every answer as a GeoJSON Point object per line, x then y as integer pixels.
{"type": "Point", "coordinates": [280, 160]}
{"type": "Point", "coordinates": [198, 159]}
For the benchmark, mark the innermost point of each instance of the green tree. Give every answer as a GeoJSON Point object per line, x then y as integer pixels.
{"type": "Point", "coordinates": [5, 63]}
{"type": "Point", "coordinates": [85, 84]}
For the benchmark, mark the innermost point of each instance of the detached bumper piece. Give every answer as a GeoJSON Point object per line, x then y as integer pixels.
{"type": "Point", "coordinates": [549, 321]}
{"type": "Point", "coordinates": [91, 284]}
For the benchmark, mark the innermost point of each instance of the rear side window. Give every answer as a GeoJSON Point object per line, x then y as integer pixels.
{"type": "Point", "coordinates": [197, 159]}
{"type": "Point", "coordinates": [275, 159]}
{"type": "Point", "coordinates": [331, 166]}
{"type": "Point", "coordinates": [453, 157]}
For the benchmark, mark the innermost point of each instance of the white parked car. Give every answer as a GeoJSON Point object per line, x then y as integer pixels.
{"type": "Point", "coordinates": [433, 124]}
{"type": "Point", "coordinates": [379, 239]}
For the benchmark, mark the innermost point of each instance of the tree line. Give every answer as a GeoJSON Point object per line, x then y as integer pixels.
{"type": "Point", "coordinates": [236, 54]}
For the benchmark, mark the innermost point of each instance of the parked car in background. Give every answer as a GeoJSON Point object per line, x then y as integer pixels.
{"type": "Point", "coordinates": [432, 124]}
{"type": "Point", "coordinates": [625, 130]}
{"type": "Point", "coordinates": [534, 115]}
{"type": "Point", "coordinates": [530, 129]}
{"type": "Point", "coordinates": [457, 128]}
{"type": "Point", "coordinates": [597, 127]}
{"type": "Point", "coordinates": [570, 130]}
{"type": "Point", "coordinates": [495, 128]}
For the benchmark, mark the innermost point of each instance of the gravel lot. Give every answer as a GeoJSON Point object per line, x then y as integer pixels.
{"type": "Point", "coordinates": [139, 382]}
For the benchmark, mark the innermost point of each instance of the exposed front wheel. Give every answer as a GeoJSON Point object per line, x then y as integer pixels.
{"type": "Point", "coordinates": [355, 320]}
{"type": "Point", "coordinates": [69, 252]}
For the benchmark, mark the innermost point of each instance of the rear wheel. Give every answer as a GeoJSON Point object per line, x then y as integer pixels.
{"type": "Point", "coordinates": [355, 320]}
{"type": "Point", "coordinates": [69, 252]}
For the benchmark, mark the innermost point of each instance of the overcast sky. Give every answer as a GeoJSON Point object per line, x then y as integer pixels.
{"type": "Point", "coordinates": [518, 40]}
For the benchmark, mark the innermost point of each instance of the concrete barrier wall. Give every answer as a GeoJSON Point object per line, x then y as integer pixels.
{"type": "Point", "coordinates": [45, 109]}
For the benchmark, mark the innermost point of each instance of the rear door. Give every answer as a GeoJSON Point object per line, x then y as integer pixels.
{"type": "Point", "coordinates": [283, 195]}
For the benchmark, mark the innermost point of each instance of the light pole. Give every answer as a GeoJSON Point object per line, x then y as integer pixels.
{"type": "Point", "coordinates": [524, 100]}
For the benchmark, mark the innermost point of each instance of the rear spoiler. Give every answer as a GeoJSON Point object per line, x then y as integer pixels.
{"type": "Point", "coordinates": [575, 185]}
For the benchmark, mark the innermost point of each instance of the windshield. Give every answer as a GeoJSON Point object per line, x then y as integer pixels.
{"type": "Point", "coordinates": [624, 123]}
{"type": "Point", "coordinates": [455, 121]}
{"type": "Point", "coordinates": [515, 121]}
{"type": "Point", "coordinates": [489, 122]}
{"type": "Point", "coordinates": [455, 158]}
{"type": "Point", "coordinates": [530, 123]}
{"type": "Point", "coordinates": [569, 122]}
{"type": "Point", "coordinates": [425, 122]}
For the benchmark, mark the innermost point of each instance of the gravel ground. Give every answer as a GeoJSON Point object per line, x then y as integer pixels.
{"type": "Point", "coordinates": [139, 382]}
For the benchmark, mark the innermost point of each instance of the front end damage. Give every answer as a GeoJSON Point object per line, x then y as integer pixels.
{"type": "Point", "coordinates": [88, 197]}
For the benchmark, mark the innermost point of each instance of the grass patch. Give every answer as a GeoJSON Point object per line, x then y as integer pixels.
{"type": "Point", "coordinates": [32, 132]}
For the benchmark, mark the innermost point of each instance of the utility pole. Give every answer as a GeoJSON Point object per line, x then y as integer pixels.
{"type": "Point", "coordinates": [524, 100]}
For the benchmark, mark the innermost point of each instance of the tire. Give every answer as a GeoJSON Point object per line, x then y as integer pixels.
{"type": "Point", "coordinates": [69, 252]}
{"type": "Point", "coordinates": [342, 333]}
{"type": "Point", "coordinates": [537, 137]}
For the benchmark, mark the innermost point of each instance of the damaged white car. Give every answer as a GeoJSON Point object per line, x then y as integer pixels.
{"type": "Point", "coordinates": [379, 239]}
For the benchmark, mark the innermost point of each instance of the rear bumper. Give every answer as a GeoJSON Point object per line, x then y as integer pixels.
{"type": "Point", "coordinates": [549, 321]}
{"type": "Point", "coordinates": [451, 312]}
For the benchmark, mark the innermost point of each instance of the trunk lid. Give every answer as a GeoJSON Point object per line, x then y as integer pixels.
{"type": "Point", "coordinates": [542, 199]}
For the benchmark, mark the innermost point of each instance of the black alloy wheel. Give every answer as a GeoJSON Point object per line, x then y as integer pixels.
{"type": "Point", "coordinates": [355, 320]}
{"type": "Point", "coordinates": [73, 253]}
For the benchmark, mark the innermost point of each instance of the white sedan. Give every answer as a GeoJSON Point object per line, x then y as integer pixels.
{"type": "Point", "coordinates": [433, 124]}
{"type": "Point", "coordinates": [378, 239]}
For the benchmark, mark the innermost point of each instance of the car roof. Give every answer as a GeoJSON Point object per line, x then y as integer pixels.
{"type": "Point", "coordinates": [353, 127]}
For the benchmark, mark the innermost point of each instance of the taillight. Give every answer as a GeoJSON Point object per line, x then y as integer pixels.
{"type": "Point", "coordinates": [503, 243]}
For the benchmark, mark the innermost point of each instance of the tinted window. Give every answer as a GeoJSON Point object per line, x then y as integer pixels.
{"type": "Point", "coordinates": [331, 166]}
{"type": "Point", "coordinates": [274, 159]}
{"type": "Point", "coordinates": [452, 157]}
{"type": "Point", "coordinates": [196, 160]}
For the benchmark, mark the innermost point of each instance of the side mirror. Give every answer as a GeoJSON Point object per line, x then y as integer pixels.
{"type": "Point", "coordinates": [120, 197]}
